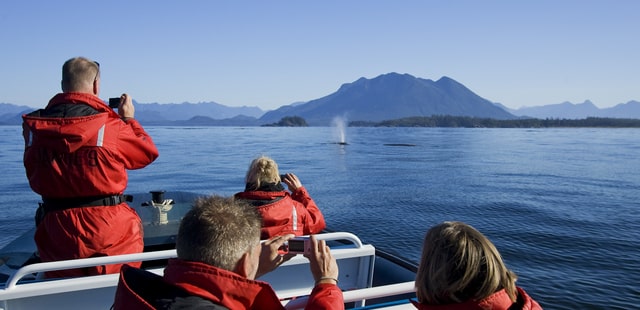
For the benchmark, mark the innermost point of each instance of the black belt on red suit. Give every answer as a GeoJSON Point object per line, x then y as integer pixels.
{"type": "Point", "coordinates": [68, 203]}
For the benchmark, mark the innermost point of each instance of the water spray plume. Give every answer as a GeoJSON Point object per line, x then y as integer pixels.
{"type": "Point", "coordinates": [339, 123]}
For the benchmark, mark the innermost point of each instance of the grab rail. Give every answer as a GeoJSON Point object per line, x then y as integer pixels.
{"type": "Point", "coordinates": [86, 262]}
{"type": "Point", "coordinates": [333, 236]}
{"type": "Point", "coordinates": [359, 295]}
{"type": "Point", "coordinates": [379, 291]}
{"type": "Point", "coordinates": [119, 259]}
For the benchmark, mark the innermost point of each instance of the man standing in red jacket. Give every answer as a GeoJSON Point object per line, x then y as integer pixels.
{"type": "Point", "coordinates": [77, 153]}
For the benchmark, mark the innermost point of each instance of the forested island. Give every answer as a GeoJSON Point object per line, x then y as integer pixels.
{"type": "Point", "coordinates": [475, 122]}
{"type": "Point", "coordinates": [289, 121]}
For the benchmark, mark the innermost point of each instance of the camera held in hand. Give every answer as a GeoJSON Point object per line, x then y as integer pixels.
{"type": "Point", "coordinates": [283, 177]}
{"type": "Point", "coordinates": [299, 245]}
{"type": "Point", "coordinates": [114, 103]}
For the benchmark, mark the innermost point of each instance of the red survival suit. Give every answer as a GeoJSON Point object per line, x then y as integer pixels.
{"type": "Point", "coordinates": [498, 301]}
{"type": "Point", "coordinates": [284, 213]}
{"type": "Point", "coordinates": [189, 284]}
{"type": "Point", "coordinates": [77, 151]}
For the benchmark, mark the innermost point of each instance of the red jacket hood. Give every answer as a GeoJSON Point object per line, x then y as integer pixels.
{"type": "Point", "coordinates": [69, 134]}
{"type": "Point", "coordinates": [284, 213]}
{"type": "Point", "coordinates": [221, 286]}
{"type": "Point", "coordinates": [79, 147]}
{"type": "Point", "coordinates": [261, 195]}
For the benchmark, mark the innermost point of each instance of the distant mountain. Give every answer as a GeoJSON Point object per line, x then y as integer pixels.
{"type": "Point", "coordinates": [169, 113]}
{"type": "Point", "coordinates": [238, 120]}
{"type": "Point", "coordinates": [391, 96]}
{"type": "Point", "coordinates": [630, 109]}
{"type": "Point", "coordinates": [8, 108]}
{"type": "Point", "coordinates": [386, 97]}
{"type": "Point", "coordinates": [568, 110]}
{"type": "Point", "coordinates": [11, 114]}
{"type": "Point", "coordinates": [154, 112]}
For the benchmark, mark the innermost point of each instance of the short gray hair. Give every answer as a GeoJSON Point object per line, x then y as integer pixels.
{"type": "Point", "coordinates": [78, 74]}
{"type": "Point", "coordinates": [218, 231]}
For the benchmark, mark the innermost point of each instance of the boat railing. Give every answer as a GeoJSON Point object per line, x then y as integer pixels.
{"type": "Point", "coordinates": [358, 296]}
{"type": "Point", "coordinates": [379, 291]}
{"type": "Point", "coordinates": [85, 262]}
{"type": "Point", "coordinates": [291, 279]}
{"type": "Point", "coordinates": [118, 259]}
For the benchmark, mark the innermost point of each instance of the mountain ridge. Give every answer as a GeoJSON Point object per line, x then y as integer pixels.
{"type": "Point", "coordinates": [385, 97]}
{"type": "Point", "coordinates": [390, 96]}
{"type": "Point", "coordinates": [568, 110]}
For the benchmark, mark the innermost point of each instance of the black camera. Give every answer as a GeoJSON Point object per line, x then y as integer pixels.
{"type": "Point", "coordinates": [283, 177]}
{"type": "Point", "coordinates": [114, 103]}
{"type": "Point", "coordinates": [299, 245]}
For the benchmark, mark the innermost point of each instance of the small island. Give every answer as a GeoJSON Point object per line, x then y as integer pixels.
{"type": "Point", "coordinates": [289, 121]}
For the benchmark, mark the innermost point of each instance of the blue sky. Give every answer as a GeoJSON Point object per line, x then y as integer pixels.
{"type": "Point", "coordinates": [273, 53]}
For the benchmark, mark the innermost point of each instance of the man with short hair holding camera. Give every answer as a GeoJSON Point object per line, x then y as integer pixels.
{"type": "Point", "coordinates": [219, 258]}
{"type": "Point", "coordinates": [77, 153]}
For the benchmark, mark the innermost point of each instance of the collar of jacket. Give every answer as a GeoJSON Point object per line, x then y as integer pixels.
{"type": "Point", "coordinates": [266, 187]}
{"type": "Point", "coordinates": [81, 98]}
{"type": "Point", "coordinates": [220, 286]}
{"type": "Point", "coordinates": [498, 300]}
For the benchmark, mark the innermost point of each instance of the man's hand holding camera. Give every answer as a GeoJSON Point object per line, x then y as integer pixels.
{"type": "Point", "coordinates": [323, 265]}
{"type": "Point", "coordinates": [126, 110]}
{"type": "Point", "coordinates": [271, 256]}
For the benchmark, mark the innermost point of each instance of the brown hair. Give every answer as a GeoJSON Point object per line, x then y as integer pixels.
{"type": "Point", "coordinates": [78, 74]}
{"type": "Point", "coordinates": [218, 231]}
{"type": "Point", "coordinates": [262, 170]}
{"type": "Point", "coordinates": [459, 264]}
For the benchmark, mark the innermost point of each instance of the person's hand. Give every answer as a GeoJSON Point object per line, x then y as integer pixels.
{"type": "Point", "coordinates": [270, 258]}
{"type": "Point", "coordinates": [292, 181]}
{"type": "Point", "coordinates": [323, 265]}
{"type": "Point", "coordinates": [126, 109]}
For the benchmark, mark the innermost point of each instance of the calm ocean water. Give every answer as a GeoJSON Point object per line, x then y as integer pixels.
{"type": "Point", "coordinates": [560, 204]}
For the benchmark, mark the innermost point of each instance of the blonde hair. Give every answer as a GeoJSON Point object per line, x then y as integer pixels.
{"type": "Point", "coordinates": [459, 264]}
{"type": "Point", "coordinates": [78, 74]}
{"type": "Point", "coordinates": [262, 170]}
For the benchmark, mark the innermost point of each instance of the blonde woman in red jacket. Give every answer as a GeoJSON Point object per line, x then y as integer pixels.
{"type": "Point", "coordinates": [282, 212]}
{"type": "Point", "coordinates": [461, 269]}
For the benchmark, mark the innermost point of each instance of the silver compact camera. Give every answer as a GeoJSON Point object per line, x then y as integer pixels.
{"type": "Point", "coordinates": [299, 245]}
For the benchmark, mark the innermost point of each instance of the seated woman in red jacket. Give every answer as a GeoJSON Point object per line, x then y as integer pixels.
{"type": "Point", "coordinates": [461, 269]}
{"type": "Point", "coordinates": [282, 212]}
